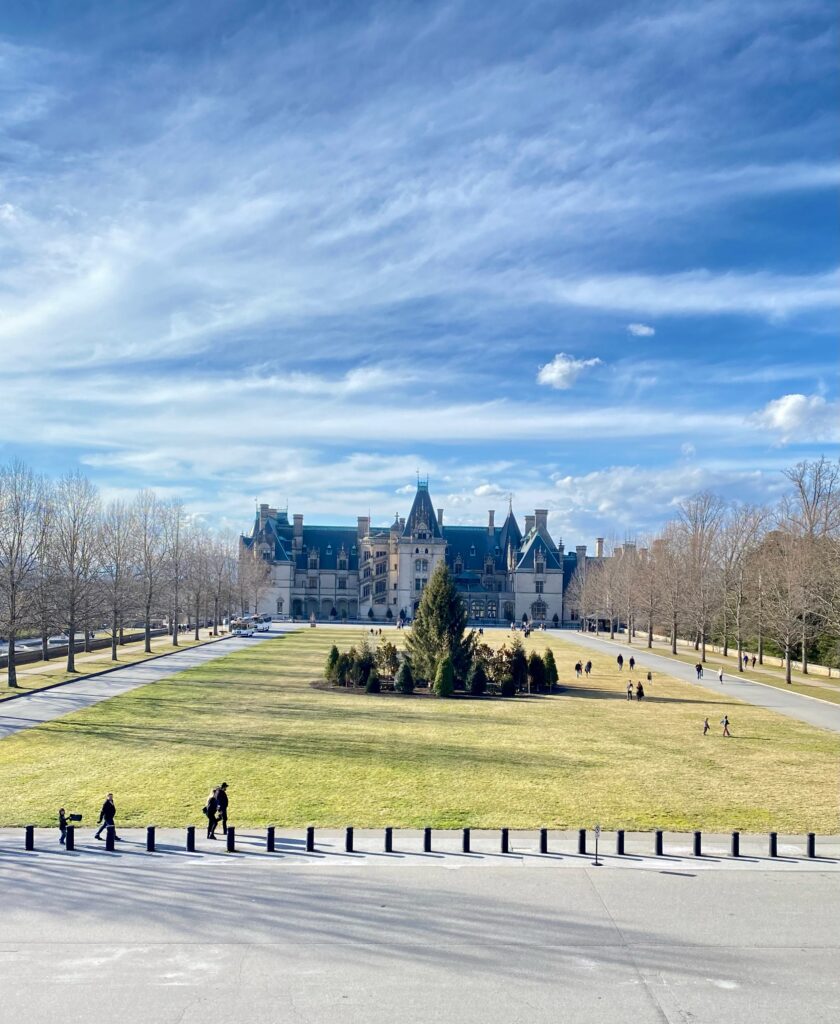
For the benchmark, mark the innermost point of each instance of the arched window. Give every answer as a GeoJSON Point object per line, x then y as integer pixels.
{"type": "Point", "coordinates": [279, 605]}
{"type": "Point", "coordinates": [538, 610]}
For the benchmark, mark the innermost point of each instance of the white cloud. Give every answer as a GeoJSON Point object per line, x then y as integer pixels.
{"type": "Point", "coordinates": [564, 370]}
{"type": "Point", "coordinates": [801, 418]}
{"type": "Point", "coordinates": [641, 330]}
{"type": "Point", "coordinates": [688, 450]}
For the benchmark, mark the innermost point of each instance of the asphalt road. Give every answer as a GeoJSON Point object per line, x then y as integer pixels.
{"type": "Point", "coordinates": [227, 938]}
{"type": "Point", "coordinates": [786, 702]}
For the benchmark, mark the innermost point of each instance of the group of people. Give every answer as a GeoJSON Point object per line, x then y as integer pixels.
{"type": "Point", "coordinates": [216, 810]}
{"type": "Point", "coordinates": [579, 667]}
{"type": "Point", "coordinates": [724, 722]}
{"type": "Point", "coordinates": [640, 690]}
{"type": "Point", "coordinates": [620, 662]}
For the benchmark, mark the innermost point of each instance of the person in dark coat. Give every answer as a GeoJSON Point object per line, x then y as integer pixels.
{"type": "Point", "coordinates": [620, 662]}
{"type": "Point", "coordinates": [211, 809]}
{"type": "Point", "coordinates": [62, 825]}
{"type": "Point", "coordinates": [587, 668]}
{"type": "Point", "coordinates": [632, 662]}
{"type": "Point", "coordinates": [222, 798]}
{"type": "Point", "coordinates": [640, 691]}
{"type": "Point", "coordinates": [578, 669]}
{"type": "Point", "coordinates": [106, 817]}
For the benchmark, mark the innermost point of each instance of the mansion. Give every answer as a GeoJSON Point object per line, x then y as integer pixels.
{"type": "Point", "coordinates": [343, 572]}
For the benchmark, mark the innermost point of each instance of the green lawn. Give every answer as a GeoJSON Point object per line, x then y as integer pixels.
{"type": "Point", "coordinates": [294, 755]}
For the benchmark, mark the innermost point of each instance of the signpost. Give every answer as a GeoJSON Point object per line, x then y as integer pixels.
{"type": "Point", "coordinates": [597, 863]}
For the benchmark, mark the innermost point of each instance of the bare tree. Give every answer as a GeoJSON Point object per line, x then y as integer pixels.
{"type": "Point", "coordinates": [580, 594]}
{"type": "Point", "coordinates": [174, 532]}
{"type": "Point", "coordinates": [646, 589]}
{"type": "Point", "coordinates": [671, 581]}
{"type": "Point", "coordinates": [22, 526]}
{"type": "Point", "coordinates": [196, 569]}
{"type": "Point", "coordinates": [75, 551]}
{"type": "Point", "coordinates": [151, 565]}
{"type": "Point", "coordinates": [699, 522]}
{"type": "Point", "coordinates": [782, 573]}
{"type": "Point", "coordinates": [119, 549]}
{"type": "Point", "coordinates": [738, 539]}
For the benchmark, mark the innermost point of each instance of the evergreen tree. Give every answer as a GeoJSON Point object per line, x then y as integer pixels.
{"type": "Point", "coordinates": [365, 662]}
{"type": "Point", "coordinates": [439, 627]}
{"type": "Point", "coordinates": [404, 682]}
{"type": "Point", "coordinates": [536, 673]}
{"type": "Point", "coordinates": [342, 669]}
{"type": "Point", "coordinates": [477, 680]}
{"type": "Point", "coordinates": [332, 661]}
{"type": "Point", "coordinates": [372, 684]}
{"type": "Point", "coordinates": [508, 687]}
{"type": "Point", "coordinates": [518, 666]}
{"type": "Point", "coordinates": [551, 674]}
{"type": "Point", "coordinates": [445, 677]}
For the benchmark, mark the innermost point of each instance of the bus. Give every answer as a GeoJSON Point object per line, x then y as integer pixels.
{"type": "Point", "coordinates": [263, 623]}
{"type": "Point", "coordinates": [242, 627]}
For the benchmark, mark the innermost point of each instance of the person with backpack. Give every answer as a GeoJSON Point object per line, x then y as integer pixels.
{"type": "Point", "coordinates": [106, 817]}
{"type": "Point", "coordinates": [725, 723]}
{"type": "Point", "coordinates": [211, 811]}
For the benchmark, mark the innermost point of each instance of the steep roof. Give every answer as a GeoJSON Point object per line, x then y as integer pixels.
{"type": "Point", "coordinates": [422, 513]}
{"type": "Point", "coordinates": [510, 535]}
{"type": "Point", "coordinates": [534, 542]}
{"type": "Point", "coordinates": [472, 545]}
{"type": "Point", "coordinates": [328, 541]}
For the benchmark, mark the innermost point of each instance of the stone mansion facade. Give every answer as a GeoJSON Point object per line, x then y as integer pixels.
{"type": "Point", "coordinates": [342, 572]}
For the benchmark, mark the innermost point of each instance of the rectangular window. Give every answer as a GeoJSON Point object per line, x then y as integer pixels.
{"type": "Point", "coordinates": [539, 585]}
{"type": "Point", "coordinates": [342, 584]}
{"type": "Point", "coordinates": [313, 583]}
{"type": "Point", "coordinates": [380, 587]}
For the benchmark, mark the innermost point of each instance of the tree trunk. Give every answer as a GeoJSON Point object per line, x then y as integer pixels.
{"type": "Point", "coordinates": [114, 627]}
{"type": "Point", "coordinates": [122, 630]}
{"type": "Point", "coordinates": [674, 635]}
{"type": "Point", "coordinates": [45, 647]}
{"type": "Point", "coordinates": [215, 616]}
{"type": "Point", "coordinates": [787, 663]}
{"type": "Point", "coordinates": [175, 622]}
{"type": "Point", "coordinates": [696, 641]}
{"type": "Point", "coordinates": [71, 645]}
{"type": "Point", "coordinates": [148, 628]}
{"type": "Point", "coordinates": [86, 645]}
{"type": "Point", "coordinates": [11, 662]}
{"type": "Point", "coordinates": [804, 654]}
{"type": "Point", "coordinates": [197, 609]}
{"type": "Point", "coordinates": [650, 632]}
{"type": "Point", "coordinates": [703, 646]}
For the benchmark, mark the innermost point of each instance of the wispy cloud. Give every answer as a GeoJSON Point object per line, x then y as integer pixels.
{"type": "Point", "coordinates": [564, 370]}
{"type": "Point", "coordinates": [641, 330]}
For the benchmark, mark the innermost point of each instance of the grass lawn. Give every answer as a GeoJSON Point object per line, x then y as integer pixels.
{"type": "Point", "coordinates": [36, 675]}
{"type": "Point", "coordinates": [294, 755]}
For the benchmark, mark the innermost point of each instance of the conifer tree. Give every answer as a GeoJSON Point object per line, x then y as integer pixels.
{"type": "Point", "coordinates": [444, 678]}
{"type": "Point", "coordinates": [439, 627]}
{"type": "Point", "coordinates": [477, 680]}
{"type": "Point", "coordinates": [518, 666]}
{"type": "Point", "coordinates": [536, 673]}
{"type": "Point", "coordinates": [404, 682]}
{"type": "Point", "coordinates": [551, 674]}
{"type": "Point", "coordinates": [332, 661]}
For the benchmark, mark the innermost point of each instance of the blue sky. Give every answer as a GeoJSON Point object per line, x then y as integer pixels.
{"type": "Point", "coordinates": [584, 254]}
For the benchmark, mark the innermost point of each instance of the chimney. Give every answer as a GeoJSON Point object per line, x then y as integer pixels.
{"type": "Point", "coordinates": [402, 524]}
{"type": "Point", "coordinates": [297, 532]}
{"type": "Point", "coordinates": [541, 518]}
{"type": "Point", "coordinates": [363, 528]}
{"type": "Point", "coordinates": [599, 547]}
{"type": "Point", "coordinates": [491, 521]}
{"type": "Point", "coordinates": [580, 551]}
{"type": "Point", "coordinates": [560, 548]}
{"type": "Point", "coordinates": [440, 517]}
{"type": "Point", "coordinates": [618, 551]}
{"type": "Point", "coordinates": [264, 510]}
{"type": "Point", "coordinates": [529, 524]}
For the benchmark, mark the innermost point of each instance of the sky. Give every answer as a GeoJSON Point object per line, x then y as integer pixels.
{"type": "Point", "coordinates": [581, 254]}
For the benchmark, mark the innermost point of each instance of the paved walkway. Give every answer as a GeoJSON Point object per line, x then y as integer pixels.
{"type": "Point", "coordinates": [176, 940]}
{"type": "Point", "coordinates": [45, 705]}
{"type": "Point", "coordinates": [785, 702]}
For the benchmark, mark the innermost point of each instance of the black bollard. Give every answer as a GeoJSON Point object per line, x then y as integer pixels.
{"type": "Point", "coordinates": [190, 839]}
{"type": "Point", "coordinates": [29, 837]}
{"type": "Point", "coordinates": [698, 844]}
{"type": "Point", "coordinates": [543, 840]}
{"type": "Point", "coordinates": [230, 835]}
{"type": "Point", "coordinates": [735, 845]}
{"type": "Point", "coordinates": [269, 839]}
{"type": "Point", "coordinates": [505, 840]}
{"type": "Point", "coordinates": [581, 840]}
{"type": "Point", "coordinates": [150, 838]}
{"type": "Point", "coordinates": [619, 842]}
{"type": "Point", "coordinates": [812, 845]}
{"type": "Point", "coordinates": [70, 840]}
{"type": "Point", "coordinates": [348, 839]}
{"type": "Point", "coordinates": [465, 841]}
{"type": "Point", "coordinates": [773, 845]}
{"type": "Point", "coordinates": [657, 842]}
{"type": "Point", "coordinates": [389, 840]}
{"type": "Point", "coordinates": [110, 833]}
{"type": "Point", "coordinates": [427, 840]}
{"type": "Point", "coordinates": [310, 839]}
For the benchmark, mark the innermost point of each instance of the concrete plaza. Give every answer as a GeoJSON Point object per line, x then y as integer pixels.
{"type": "Point", "coordinates": [367, 937]}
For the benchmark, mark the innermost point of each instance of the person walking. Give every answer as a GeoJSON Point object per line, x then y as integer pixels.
{"type": "Point", "coordinates": [725, 723]}
{"type": "Point", "coordinates": [106, 817]}
{"type": "Point", "coordinates": [632, 663]}
{"type": "Point", "coordinates": [620, 662]}
{"type": "Point", "coordinates": [746, 660]}
{"type": "Point", "coordinates": [587, 668]}
{"type": "Point", "coordinates": [640, 691]}
{"type": "Point", "coordinates": [211, 809]}
{"type": "Point", "coordinates": [720, 674]}
{"type": "Point", "coordinates": [578, 669]}
{"type": "Point", "coordinates": [62, 826]}
{"type": "Point", "coordinates": [222, 799]}
{"type": "Point", "coordinates": [753, 662]}
{"type": "Point", "coordinates": [630, 690]}
{"type": "Point", "coordinates": [649, 678]}
{"type": "Point", "coordinates": [698, 668]}
{"type": "Point", "coordinates": [706, 726]}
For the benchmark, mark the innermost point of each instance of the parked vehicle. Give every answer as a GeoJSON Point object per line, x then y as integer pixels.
{"type": "Point", "coordinates": [263, 623]}
{"type": "Point", "coordinates": [242, 627]}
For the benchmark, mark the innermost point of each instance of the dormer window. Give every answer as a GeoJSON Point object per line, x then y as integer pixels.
{"type": "Point", "coordinates": [329, 549]}
{"type": "Point", "coordinates": [342, 564]}
{"type": "Point", "coordinates": [472, 551]}
{"type": "Point", "coordinates": [353, 550]}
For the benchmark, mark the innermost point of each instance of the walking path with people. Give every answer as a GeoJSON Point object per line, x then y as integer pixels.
{"type": "Point", "coordinates": [41, 706]}
{"type": "Point", "coordinates": [822, 714]}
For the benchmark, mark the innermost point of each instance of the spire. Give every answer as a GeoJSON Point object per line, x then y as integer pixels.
{"type": "Point", "coordinates": [422, 517]}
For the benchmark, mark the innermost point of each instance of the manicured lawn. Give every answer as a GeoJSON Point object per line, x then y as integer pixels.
{"type": "Point", "coordinates": [294, 755]}
{"type": "Point", "coordinates": [38, 674]}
